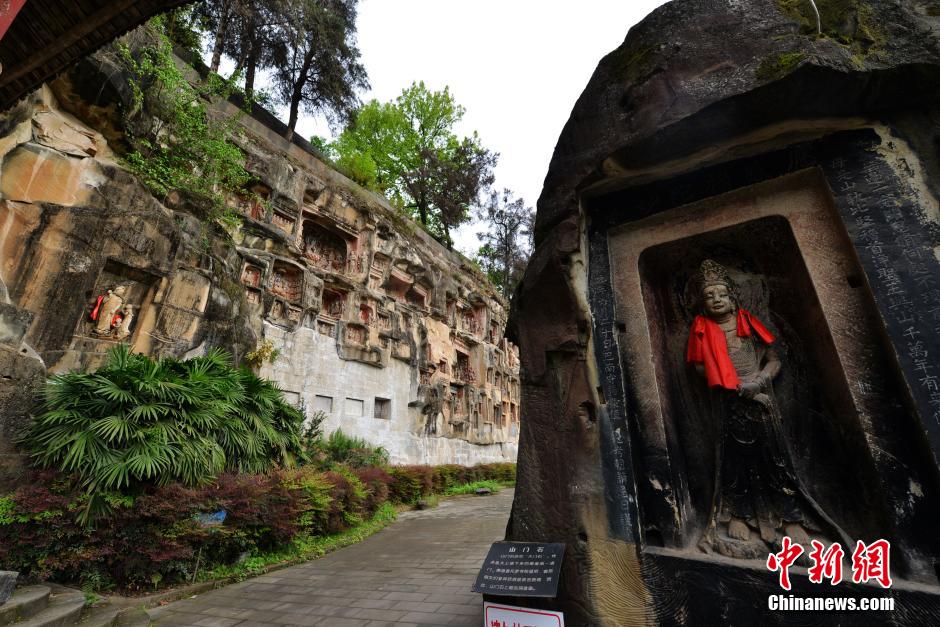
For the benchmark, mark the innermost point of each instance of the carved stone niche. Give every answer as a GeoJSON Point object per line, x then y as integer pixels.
{"type": "Point", "coordinates": [356, 334]}
{"type": "Point", "coordinates": [113, 309]}
{"type": "Point", "coordinates": [792, 267]}
{"type": "Point", "coordinates": [287, 281]}
{"type": "Point", "coordinates": [334, 303]}
{"type": "Point", "coordinates": [417, 296]}
{"type": "Point", "coordinates": [251, 275]}
{"type": "Point", "coordinates": [326, 327]}
{"type": "Point", "coordinates": [251, 201]}
{"type": "Point", "coordinates": [323, 247]}
{"type": "Point", "coordinates": [398, 283]}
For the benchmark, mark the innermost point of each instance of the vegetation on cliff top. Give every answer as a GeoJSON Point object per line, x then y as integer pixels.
{"type": "Point", "coordinates": [176, 145]}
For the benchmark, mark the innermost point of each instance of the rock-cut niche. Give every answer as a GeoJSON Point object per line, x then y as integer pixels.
{"type": "Point", "coordinates": [725, 473]}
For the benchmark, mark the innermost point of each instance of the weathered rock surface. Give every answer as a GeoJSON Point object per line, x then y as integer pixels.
{"type": "Point", "coordinates": [713, 115]}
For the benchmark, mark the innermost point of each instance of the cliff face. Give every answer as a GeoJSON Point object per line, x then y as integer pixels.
{"type": "Point", "coordinates": [393, 337]}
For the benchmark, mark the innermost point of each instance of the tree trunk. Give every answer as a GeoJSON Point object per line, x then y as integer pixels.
{"type": "Point", "coordinates": [423, 209]}
{"type": "Point", "coordinates": [252, 66]}
{"type": "Point", "coordinates": [294, 111]}
{"type": "Point", "coordinates": [250, 77]}
{"type": "Point", "coordinates": [298, 92]}
{"type": "Point", "coordinates": [220, 35]}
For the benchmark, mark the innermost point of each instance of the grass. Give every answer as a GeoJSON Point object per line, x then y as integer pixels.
{"type": "Point", "coordinates": [470, 488]}
{"type": "Point", "coordinates": [304, 548]}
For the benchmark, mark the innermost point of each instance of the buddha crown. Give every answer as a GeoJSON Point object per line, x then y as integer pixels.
{"type": "Point", "coordinates": [713, 273]}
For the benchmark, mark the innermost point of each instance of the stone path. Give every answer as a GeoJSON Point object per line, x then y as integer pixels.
{"type": "Point", "coordinates": [418, 571]}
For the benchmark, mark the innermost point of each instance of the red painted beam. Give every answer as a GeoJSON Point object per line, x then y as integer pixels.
{"type": "Point", "coordinates": [8, 11]}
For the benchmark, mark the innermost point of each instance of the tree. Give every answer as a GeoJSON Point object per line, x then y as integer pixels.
{"type": "Point", "coordinates": [507, 243]}
{"type": "Point", "coordinates": [317, 62]}
{"type": "Point", "coordinates": [408, 150]}
{"type": "Point", "coordinates": [246, 31]}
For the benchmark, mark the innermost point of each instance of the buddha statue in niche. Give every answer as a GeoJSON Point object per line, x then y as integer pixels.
{"type": "Point", "coordinates": [758, 496]}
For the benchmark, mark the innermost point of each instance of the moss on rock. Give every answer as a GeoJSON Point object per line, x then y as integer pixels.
{"type": "Point", "coordinates": [849, 22]}
{"type": "Point", "coordinates": [779, 65]}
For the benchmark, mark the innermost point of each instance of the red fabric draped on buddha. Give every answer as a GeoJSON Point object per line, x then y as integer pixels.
{"type": "Point", "coordinates": [707, 346]}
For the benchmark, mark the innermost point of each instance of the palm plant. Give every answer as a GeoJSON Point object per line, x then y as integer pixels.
{"type": "Point", "coordinates": [138, 421]}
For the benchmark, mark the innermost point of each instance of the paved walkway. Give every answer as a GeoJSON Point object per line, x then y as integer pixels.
{"type": "Point", "coordinates": [417, 571]}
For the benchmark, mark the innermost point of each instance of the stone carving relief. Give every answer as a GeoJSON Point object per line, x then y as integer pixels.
{"type": "Point", "coordinates": [326, 328]}
{"type": "Point", "coordinates": [356, 335]}
{"type": "Point", "coordinates": [283, 221]}
{"type": "Point", "coordinates": [251, 276]}
{"type": "Point", "coordinates": [743, 410]}
{"type": "Point", "coordinates": [287, 282]}
{"type": "Point", "coordinates": [323, 248]}
{"type": "Point", "coordinates": [112, 314]}
{"type": "Point", "coordinates": [758, 496]}
{"type": "Point", "coordinates": [334, 303]}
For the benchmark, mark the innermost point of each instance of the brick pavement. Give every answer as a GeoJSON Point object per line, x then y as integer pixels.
{"type": "Point", "coordinates": [418, 571]}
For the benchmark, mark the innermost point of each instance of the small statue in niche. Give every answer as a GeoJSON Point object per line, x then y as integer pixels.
{"type": "Point", "coordinates": [123, 331]}
{"type": "Point", "coordinates": [758, 496]}
{"type": "Point", "coordinates": [112, 315]}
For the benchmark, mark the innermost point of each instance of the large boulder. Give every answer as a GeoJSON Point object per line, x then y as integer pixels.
{"type": "Point", "coordinates": [708, 108]}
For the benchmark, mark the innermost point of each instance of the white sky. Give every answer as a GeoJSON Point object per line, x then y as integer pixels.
{"type": "Point", "coordinates": [517, 66]}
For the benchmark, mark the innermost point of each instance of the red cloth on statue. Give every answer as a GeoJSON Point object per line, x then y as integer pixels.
{"type": "Point", "coordinates": [707, 346]}
{"type": "Point", "coordinates": [94, 312]}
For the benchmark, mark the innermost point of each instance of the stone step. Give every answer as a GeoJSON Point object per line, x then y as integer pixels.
{"type": "Point", "coordinates": [115, 617]}
{"type": "Point", "coordinates": [25, 602]}
{"type": "Point", "coordinates": [133, 618]}
{"type": "Point", "coordinates": [63, 610]}
{"type": "Point", "coordinates": [100, 617]}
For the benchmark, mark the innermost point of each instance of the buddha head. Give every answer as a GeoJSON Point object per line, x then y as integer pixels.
{"type": "Point", "coordinates": [716, 290]}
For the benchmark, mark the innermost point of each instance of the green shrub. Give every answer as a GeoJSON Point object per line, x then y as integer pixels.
{"type": "Point", "coordinates": [151, 540]}
{"type": "Point", "coordinates": [137, 421]}
{"type": "Point", "coordinates": [411, 483]}
{"type": "Point", "coordinates": [350, 450]}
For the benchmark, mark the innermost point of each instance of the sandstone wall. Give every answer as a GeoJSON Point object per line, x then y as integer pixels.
{"type": "Point", "coordinates": [395, 338]}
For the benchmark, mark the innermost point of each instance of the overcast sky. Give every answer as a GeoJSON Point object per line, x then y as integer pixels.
{"type": "Point", "coordinates": [517, 66]}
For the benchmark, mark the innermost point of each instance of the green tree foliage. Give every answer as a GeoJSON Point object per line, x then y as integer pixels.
{"type": "Point", "coordinates": [175, 143]}
{"type": "Point", "coordinates": [137, 421]}
{"type": "Point", "coordinates": [310, 45]}
{"type": "Point", "coordinates": [408, 150]}
{"type": "Point", "coordinates": [507, 241]}
{"type": "Point", "coordinates": [246, 31]}
{"type": "Point", "coordinates": [316, 62]}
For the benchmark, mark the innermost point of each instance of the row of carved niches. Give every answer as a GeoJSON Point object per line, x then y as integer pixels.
{"type": "Point", "coordinates": [113, 307]}
{"type": "Point", "coordinates": [325, 242]}
{"type": "Point", "coordinates": [729, 472]}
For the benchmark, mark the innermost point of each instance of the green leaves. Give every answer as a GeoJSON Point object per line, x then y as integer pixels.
{"type": "Point", "coordinates": [181, 147]}
{"type": "Point", "coordinates": [409, 151]}
{"type": "Point", "coordinates": [138, 421]}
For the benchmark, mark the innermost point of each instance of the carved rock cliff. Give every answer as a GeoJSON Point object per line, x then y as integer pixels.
{"type": "Point", "coordinates": [395, 338]}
